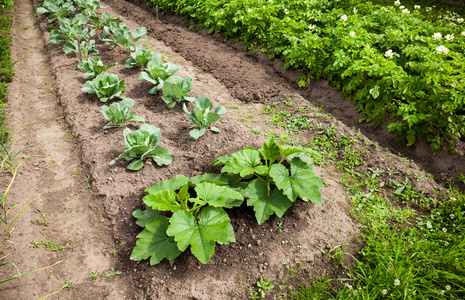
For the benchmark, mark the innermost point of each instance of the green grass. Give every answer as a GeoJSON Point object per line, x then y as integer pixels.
{"type": "Point", "coordinates": [6, 65]}
{"type": "Point", "coordinates": [414, 240]}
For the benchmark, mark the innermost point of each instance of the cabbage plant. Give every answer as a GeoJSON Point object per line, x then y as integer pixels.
{"type": "Point", "coordinates": [156, 73]}
{"type": "Point", "coordinates": [142, 144]}
{"type": "Point", "coordinates": [141, 57]}
{"type": "Point", "coordinates": [106, 86]}
{"type": "Point", "coordinates": [202, 117]}
{"type": "Point", "coordinates": [176, 89]}
{"type": "Point", "coordinates": [74, 33]}
{"type": "Point", "coordinates": [118, 113]}
{"type": "Point", "coordinates": [120, 34]}
{"type": "Point", "coordinates": [56, 9]}
{"type": "Point", "coordinates": [93, 67]}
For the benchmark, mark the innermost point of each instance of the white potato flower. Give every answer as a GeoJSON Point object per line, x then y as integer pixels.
{"type": "Point", "coordinates": [344, 18]}
{"type": "Point", "coordinates": [389, 54]}
{"type": "Point", "coordinates": [442, 50]}
{"type": "Point", "coordinates": [437, 36]}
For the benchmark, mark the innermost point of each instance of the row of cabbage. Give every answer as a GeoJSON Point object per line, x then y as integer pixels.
{"type": "Point", "coordinates": [76, 32]}
{"type": "Point", "coordinates": [392, 60]}
{"type": "Point", "coordinates": [181, 212]}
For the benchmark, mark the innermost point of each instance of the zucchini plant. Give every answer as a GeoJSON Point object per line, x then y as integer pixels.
{"type": "Point", "coordinates": [106, 86]}
{"type": "Point", "coordinates": [202, 117]}
{"type": "Point", "coordinates": [93, 67]}
{"type": "Point", "coordinates": [270, 185]}
{"type": "Point", "coordinates": [141, 57]}
{"type": "Point", "coordinates": [143, 144]}
{"type": "Point", "coordinates": [118, 113]}
{"type": "Point", "coordinates": [156, 73]}
{"type": "Point", "coordinates": [195, 217]}
{"type": "Point", "coordinates": [176, 89]}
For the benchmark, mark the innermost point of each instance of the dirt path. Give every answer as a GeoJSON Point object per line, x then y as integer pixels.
{"type": "Point", "coordinates": [91, 203]}
{"type": "Point", "coordinates": [63, 214]}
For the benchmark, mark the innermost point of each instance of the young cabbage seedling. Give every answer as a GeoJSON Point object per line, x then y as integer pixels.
{"type": "Point", "coordinates": [141, 57]}
{"type": "Point", "coordinates": [121, 35]}
{"type": "Point", "coordinates": [93, 67]}
{"type": "Point", "coordinates": [106, 86]}
{"type": "Point", "coordinates": [118, 113]}
{"type": "Point", "coordinates": [74, 33]}
{"type": "Point", "coordinates": [176, 89]}
{"type": "Point", "coordinates": [202, 117]}
{"type": "Point", "coordinates": [142, 144]}
{"type": "Point", "coordinates": [156, 73]}
{"type": "Point", "coordinates": [56, 9]}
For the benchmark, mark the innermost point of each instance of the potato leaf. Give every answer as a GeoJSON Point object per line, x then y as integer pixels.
{"type": "Point", "coordinates": [153, 242]}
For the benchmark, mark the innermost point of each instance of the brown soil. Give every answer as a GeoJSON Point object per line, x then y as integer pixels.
{"type": "Point", "coordinates": [90, 204]}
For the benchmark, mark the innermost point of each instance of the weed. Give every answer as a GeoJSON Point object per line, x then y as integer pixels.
{"type": "Point", "coordinates": [112, 272]}
{"type": "Point", "coordinates": [94, 275]}
{"type": "Point", "coordinates": [279, 226]}
{"type": "Point", "coordinates": [264, 285]}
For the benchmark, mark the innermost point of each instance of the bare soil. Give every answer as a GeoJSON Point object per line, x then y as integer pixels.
{"type": "Point", "coordinates": [88, 204]}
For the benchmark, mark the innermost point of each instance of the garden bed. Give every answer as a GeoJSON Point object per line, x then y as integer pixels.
{"type": "Point", "coordinates": [288, 250]}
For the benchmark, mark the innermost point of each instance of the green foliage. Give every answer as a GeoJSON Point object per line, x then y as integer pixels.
{"type": "Point", "coordinates": [264, 285]}
{"type": "Point", "coordinates": [56, 9]}
{"type": "Point", "coordinates": [106, 86]}
{"type": "Point", "coordinates": [91, 5]}
{"type": "Point", "coordinates": [198, 221]}
{"type": "Point", "coordinates": [93, 67]}
{"type": "Point", "coordinates": [156, 73]}
{"type": "Point", "coordinates": [74, 33]}
{"type": "Point", "coordinates": [176, 89]}
{"type": "Point", "coordinates": [384, 57]}
{"type": "Point", "coordinates": [120, 34]}
{"type": "Point", "coordinates": [142, 144]}
{"type": "Point", "coordinates": [6, 65]}
{"type": "Point", "coordinates": [141, 57]}
{"type": "Point", "coordinates": [203, 118]}
{"type": "Point", "coordinates": [274, 186]}
{"type": "Point", "coordinates": [118, 113]}
{"type": "Point", "coordinates": [84, 49]}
